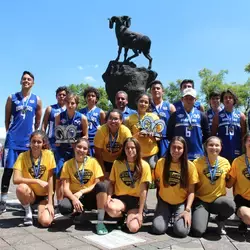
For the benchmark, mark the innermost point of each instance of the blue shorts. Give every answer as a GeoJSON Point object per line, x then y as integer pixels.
{"type": "Point", "coordinates": [10, 156]}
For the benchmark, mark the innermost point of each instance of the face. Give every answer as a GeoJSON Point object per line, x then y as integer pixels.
{"type": "Point", "coordinates": [81, 150]}
{"type": "Point", "coordinates": [213, 147]}
{"type": "Point", "coordinates": [27, 81]}
{"type": "Point", "coordinates": [130, 150]}
{"type": "Point", "coordinates": [143, 103]}
{"type": "Point", "coordinates": [71, 104]}
{"type": "Point", "coordinates": [188, 101]}
{"type": "Point", "coordinates": [91, 98]}
{"type": "Point", "coordinates": [228, 100]}
{"type": "Point", "coordinates": [114, 121]}
{"type": "Point", "coordinates": [176, 150]}
{"type": "Point", "coordinates": [61, 97]}
{"type": "Point", "coordinates": [36, 144]}
{"type": "Point", "coordinates": [121, 101]}
{"type": "Point", "coordinates": [156, 91]}
{"type": "Point", "coordinates": [186, 86]}
{"type": "Point", "coordinates": [215, 102]}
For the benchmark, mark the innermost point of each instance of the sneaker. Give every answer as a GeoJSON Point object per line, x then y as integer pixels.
{"type": "Point", "coordinates": [101, 229]}
{"type": "Point", "coordinates": [2, 207]}
{"type": "Point", "coordinates": [242, 228]}
{"type": "Point", "coordinates": [28, 221]}
{"type": "Point", "coordinates": [221, 227]}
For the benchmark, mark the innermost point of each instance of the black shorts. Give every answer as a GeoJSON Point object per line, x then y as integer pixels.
{"type": "Point", "coordinates": [130, 202]}
{"type": "Point", "coordinates": [240, 201]}
{"type": "Point", "coordinates": [39, 199]}
{"type": "Point", "coordinates": [108, 166]}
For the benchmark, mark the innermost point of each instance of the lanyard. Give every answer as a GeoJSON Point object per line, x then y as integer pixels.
{"type": "Point", "coordinates": [230, 118]}
{"type": "Point", "coordinates": [212, 170]}
{"type": "Point", "coordinates": [67, 118]}
{"type": "Point", "coordinates": [130, 175]}
{"type": "Point", "coordinates": [112, 142]}
{"type": "Point", "coordinates": [25, 103]}
{"type": "Point", "coordinates": [189, 117]}
{"type": "Point", "coordinates": [247, 163]}
{"type": "Point", "coordinates": [36, 168]}
{"type": "Point", "coordinates": [140, 122]}
{"type": "Point", "coordinates": [80, 173]}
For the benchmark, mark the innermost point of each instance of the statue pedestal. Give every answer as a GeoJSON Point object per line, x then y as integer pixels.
{"type": "Point", "coordinates": [127, 77]}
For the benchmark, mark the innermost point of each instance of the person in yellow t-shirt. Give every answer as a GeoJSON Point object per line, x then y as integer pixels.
{"type": "Point", "coordinates": [175, 178]}
{"type": "Point", "coordinates": [81, 185]}
{"type": "Point", "coordinates": [128, 187]}
{"type": "Point", "coordinates": [33, 173]}
{"type": "Point", "coordinates": [146, 127]}
{"type": "Point", "coordinates": [240, 181]}
{"type": "Point", "coordinates": [210, 192]}
{"type": "Point", "coordinates": [109, 139]}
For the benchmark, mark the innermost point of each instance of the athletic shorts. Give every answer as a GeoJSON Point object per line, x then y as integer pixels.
{"type": "Point", "coordinates": [130, 202]}
{"type": "Point", "coordinates": [39, 199]}
{"type": "Point", "coordinates": [240, 201]}
{"type": "Point", "coordinates": [10, 156]}
{"type": "Point", "coordinates": [108, 166]}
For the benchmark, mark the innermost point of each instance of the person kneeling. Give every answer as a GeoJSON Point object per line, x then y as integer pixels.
{"type": "Point", "coordinates": [81, 185]}
{"type": "Point", "coordinates": [33, 172]}
{"type": "Point", "coordinates": [128, 187]}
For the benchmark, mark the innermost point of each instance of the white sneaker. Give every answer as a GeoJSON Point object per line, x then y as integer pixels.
{"type": "Point", "coordinates": [28, 221]}
{"type": "Point", "coordinates": [221, 230]}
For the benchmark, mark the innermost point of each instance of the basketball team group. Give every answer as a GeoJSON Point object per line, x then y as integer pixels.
{"type": "Point", "coordinates": [74, 160]}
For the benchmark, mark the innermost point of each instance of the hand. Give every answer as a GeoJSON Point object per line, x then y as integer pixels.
{"type": "Point", "coordinates": [77, 205]}
{"type": "Point", "coordinates": [143, 133]}
{"type": "Point", "coordinates": [43, 184]}
{"type": "Point", "coordinates": [50, 208]}
{"type": "Point", "coordinates": [78, 194]}
{"type": "Point", "coordinates": [139, 217]}
{"type": "Point", "coordinates": [187, 218]}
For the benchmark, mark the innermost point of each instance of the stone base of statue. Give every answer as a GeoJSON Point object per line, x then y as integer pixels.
{"type": "Point", "coordinates": [127, 77]}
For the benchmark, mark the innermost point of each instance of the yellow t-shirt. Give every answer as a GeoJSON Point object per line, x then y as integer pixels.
{"type": "Point", "coordinates": [173, 193]}
{"type": "Point", "coordinates": [240, 174]}
{"type": "Point", "coordinates": [206, 191]}
{"type": "Point", "coordinates": [147, 122]}
{"type": "Point", "coordinates": [24, 164]}
{"type": "Point", "coordinates": [119, 174]}
{"type": "Point", "coordinates": [101, 140]}
{"type": "Point", "coordinates": [92, 171]}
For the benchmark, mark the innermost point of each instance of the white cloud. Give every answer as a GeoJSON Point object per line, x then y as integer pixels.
{"type": "Point", "coordinates": [80, 67]}
{"type": "Point", "coordinates": [89, 79]}
{"type": "Point", "coordinates": [2, 133]}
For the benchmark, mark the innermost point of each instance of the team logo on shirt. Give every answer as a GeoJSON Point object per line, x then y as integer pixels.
{"type": "Point", "coordinates": [174, 178]}
{"type": "Point", "coordinates": [246, 173]}
{"type": "Point", "coordinates": [40, 174]}
{"type": "Point", "coordinates": [86, 177]}
{"type": "Point", "coordinates": [114, 148]}
{"type": "Point", "coordinates": [218, 174]}
{"type": "Point", "coordinates": [32, 101]}
{"type": "Point", "coordinates": [180, 115]}
{"type": "Point", "coordinates": [124, 176]}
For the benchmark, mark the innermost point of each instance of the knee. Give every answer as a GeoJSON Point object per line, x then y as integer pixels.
{"type": "Point", "coordinates": [101, 187]}
{"type": "Point", "coordinates": [65, 207]}
{"type": "Point", "coordinates": [159, 226]}
{"type": "Point", "coordinates": [133, 226]}
{"type": "Point", "coordinates": [181, 232]}
{"type": "Point", "coordinates": [197, 232]}
{"type": "Point", "coordinates": [45, 221]}
{"type": "Point", "coordinates": [22, 189]}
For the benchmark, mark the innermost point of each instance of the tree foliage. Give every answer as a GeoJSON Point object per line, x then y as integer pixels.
{"type": "Point", "coordinates": [172, 92]}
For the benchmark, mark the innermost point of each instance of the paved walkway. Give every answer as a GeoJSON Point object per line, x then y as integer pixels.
{"type": "Point", "coordinates": [63, 234]}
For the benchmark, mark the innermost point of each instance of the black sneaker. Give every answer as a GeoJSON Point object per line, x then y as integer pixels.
{"type": "Point", "coordinates": [121, 223]}
{"type": "Point", "coordinates": [242, 228]}
{"type": "Point", "coordinates": [2, 207]}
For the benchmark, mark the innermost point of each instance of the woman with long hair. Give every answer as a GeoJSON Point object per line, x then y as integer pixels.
{"type": "Point", "coordinates": [33, 173]}
{"type": "Point", "coordinates": [81, 185]}
{"type": "Point", "coordinates": [240, 181]}
{"type": "Point", "coordinates": [176, 177]}
{"type": "Point", "coordinates": [129, 179]}
{"type": "Point", "coordinates": [210, 195]}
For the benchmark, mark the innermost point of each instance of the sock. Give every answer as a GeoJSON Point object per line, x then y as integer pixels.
{"type": "Point", "coordinates": [28, 211]}
{"type": "Point", "coordinates": [100, 216]}
{"type": "Point", "coordinates": [4, 197]}
{"type": "Point", "coordinates": [58, 202]}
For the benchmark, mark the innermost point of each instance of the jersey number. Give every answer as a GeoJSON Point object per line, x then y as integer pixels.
{"type": "Point", "coordinates": [229, 131]}
{"type": "Point", "coordinates": [188, 132]}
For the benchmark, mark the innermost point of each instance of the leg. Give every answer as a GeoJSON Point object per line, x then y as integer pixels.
{"type": "Point", "coordinates": [133, 56]}
{"type": "Point", "coordinates": [44, 216]}
{"type": "Point", "coordinates": [115, 208]}
{"type": "Point", "coordinates": [149, 58]}
{"type": "Point", "coordinates": [59, 190]}
{"type": "Point", "coordinates": [244, 214]}
{"type": "Point", "coordinates": [119, 53]}
{"type": "Point", "coordinates": [125, 53]}
{"type": "Point", "coordinates": [66, 207]}
{"type": "Point", "coordinates": [200, 218]}
{"type": "Point", "coordinates": [162, 217]}
{"type": "Point", "coordinates": [132, 221]}
{"type": "Point", "coordinates": [179, 224]}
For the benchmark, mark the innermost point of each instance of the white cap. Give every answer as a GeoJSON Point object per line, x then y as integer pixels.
{"type": "Point", "coordinates": [189, 91]}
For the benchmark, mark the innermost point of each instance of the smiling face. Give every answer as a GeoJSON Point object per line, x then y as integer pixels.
{"type": "Point", "coordinates": [130, 151]}
{"type": "Point", "coordinates": [81, 150]}
{"type": "Point", "coordinates": [176, 150]}
{"type": "Point", "coordinates": [36, 145]}
{"type": "Point", "coordinates": [121, 101]}
{"type": "Point", "coordinates": [143, 104]}
{"type": "Point", "coordinates": [27, 82]}
{"type": "Point", "coordinates": [71, 105]}
{"type": "Point", "coordinates": [157, 91]}
{"type": "Point", "coordinates": [188, 102]}
{"type": "Point", "coordinates": [114, 121]}
{"type": "Point", "coordinates": [215, 102]}
{"type": "Point", "coordinates": [213, 147]}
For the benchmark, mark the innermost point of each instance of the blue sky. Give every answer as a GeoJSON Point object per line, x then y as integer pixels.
{"type": "Point", "coordinates": [64, 42]}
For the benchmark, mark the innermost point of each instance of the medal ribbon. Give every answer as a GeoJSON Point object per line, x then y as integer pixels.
{"type": "Point", "coordinates": [247, 163]}
{"type": "Point", "coordinates": [230, 118]}
{"type": "Point", "coordinates": [189, 116]}
{"type": "Point", "coordinates": [112, 142]}
{"type": "Point", "coordinates": [80, 173]}
{"type": "Point", "coordinates": [67, 117]}
{"type": "Point", "coordinates": [212, 170]}
{"type": "Point", "coordinates": [25, 103]}
{"type": "Point", "coordinates": [130, 175]}
{"type": "Point", "coordinates": [36, 168]}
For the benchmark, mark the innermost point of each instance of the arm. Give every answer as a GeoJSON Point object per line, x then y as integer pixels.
{"type": "Point", "coordinates": [46, 118]}
{"type": "Point", "coordinates": [7, 113]}
{"type": "Point", "coordinates": [204, 127]}
{"type": "Point", "coordinates": [171, 126]}
{"type": "Point", "coordinates": [230, 182]}
{"type": "Point", "coordinates": [98, 156]}
{"type": "Point", "coordinates": [84, 127]}
{"type": "Point", "coordinates": [143, 196]}
{"type": "Point", "coordinates": [50, 187]}
{"type": "Point", "coordinates": [86, 190]}
{"type": "Point", "coordinates": [215, 124]}
{"type": "Point", "coordinates": [172, 108]}
{"type": "Point", "coordinates": [243, 125]}
{"type": "Point", "coordinates": [102, 117]}
{"type": "Point", "coordinates": [39, 112]}
{"type": "Point", "coordinates": [202, 109]}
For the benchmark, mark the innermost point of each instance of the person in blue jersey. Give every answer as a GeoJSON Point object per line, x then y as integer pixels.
{"type": "Point", "coordinates": [121, 102]}
{"type": "Point", "coordinates": [64, 151]}
{"type": "Point", "coordinates": [215, 106]}
{"type": "Point", "coordinates": [23, 111]}
{"type": "Point", "coordinates": [51, 111]}
{"type": "Point", "coordinates": [95, 115]}
{"type": "Point", "coordinates": [230, 125]}
{"type": "Point", "coordinates": [188, 83]}
{"type": "Point", "coordinates": [163, 109]}
{"type": "Point", "coordinates": [190, 123]}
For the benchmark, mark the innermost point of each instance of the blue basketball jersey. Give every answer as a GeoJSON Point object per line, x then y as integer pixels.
{"type": "Point", "coordinates": [94, 121]}
{"type": "Point", "coordinates": [178, 105]}
{"type": "Point", "coordinates": [55, 110]}
{"type": "Point", "coordinates": [229, 131]}
{"type": "Point", "coordinates": [22, 121]}
{"type": "Point", "coordinates": [191, 132]}
{"type": "Point", "coordinates": [163, 111]}
{"type": "Point", "coordinates": [127, 112]}
{"type": "Point", "coordinates": [210, 117]}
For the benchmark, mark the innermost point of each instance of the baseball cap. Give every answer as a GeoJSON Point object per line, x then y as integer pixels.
{"type": "Point", "coordinates": [189, 91]}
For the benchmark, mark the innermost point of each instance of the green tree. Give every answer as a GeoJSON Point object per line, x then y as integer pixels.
{"type": "Point", "coordinates": [172, 91]}
{"type": "Point", "coordinates": [78, 89]}
{"type": "Point", "coordinates": [247, 68]}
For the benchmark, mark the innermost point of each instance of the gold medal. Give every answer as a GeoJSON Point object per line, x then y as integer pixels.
{"type": "Point", "coordinates": [190, 127]}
